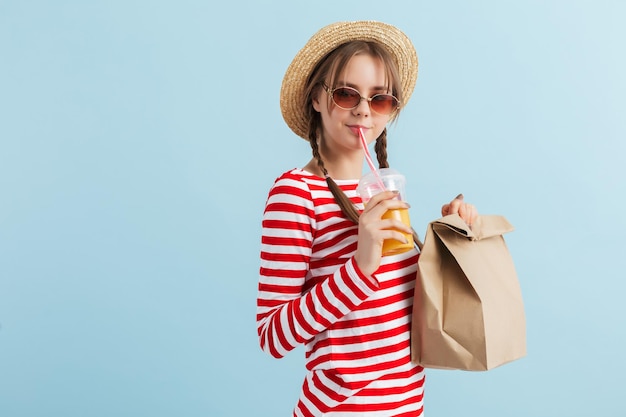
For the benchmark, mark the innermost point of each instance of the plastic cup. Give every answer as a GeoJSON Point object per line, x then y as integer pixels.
{"type": "Point", "coordinates": [388, 179]}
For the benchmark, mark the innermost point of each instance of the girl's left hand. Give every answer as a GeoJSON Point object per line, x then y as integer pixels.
{"type": "Point", "coordinates": [465, 210]}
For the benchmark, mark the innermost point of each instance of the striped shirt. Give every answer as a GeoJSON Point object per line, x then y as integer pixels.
{"type": "Point", "coordinates": [356, 332]}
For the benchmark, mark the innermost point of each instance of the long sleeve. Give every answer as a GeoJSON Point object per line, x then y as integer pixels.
{"type": "Point", "coordinates": [293, 306]}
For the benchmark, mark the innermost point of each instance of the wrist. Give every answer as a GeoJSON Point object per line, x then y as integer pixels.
{"type": "Point", "coordinates": [365, 271]}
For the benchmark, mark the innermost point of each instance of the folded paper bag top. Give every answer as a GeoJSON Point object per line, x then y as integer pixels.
{"type": "Point", "coordinates": [484, 227]}
{"type": "Point", "coordinates": [468, 312]}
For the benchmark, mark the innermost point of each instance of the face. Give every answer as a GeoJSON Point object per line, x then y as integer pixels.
{"type": "Point", "coordinates": [341, 127]}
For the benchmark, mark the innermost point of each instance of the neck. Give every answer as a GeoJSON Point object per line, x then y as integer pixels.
{"type": "Point", "coordinates": [344, 166]}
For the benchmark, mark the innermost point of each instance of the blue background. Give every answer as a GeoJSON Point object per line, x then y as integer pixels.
{"type": "Point", "coordinates": [138, 140]}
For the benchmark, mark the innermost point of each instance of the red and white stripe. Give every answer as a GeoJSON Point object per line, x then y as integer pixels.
{"type": "Point", "coordinates": [356, 333]}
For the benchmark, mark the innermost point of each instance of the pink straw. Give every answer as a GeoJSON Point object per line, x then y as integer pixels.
{"type": "Point", "coordinates": [368, 158]}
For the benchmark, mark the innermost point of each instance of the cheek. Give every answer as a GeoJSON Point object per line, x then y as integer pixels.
{"type": "Point", "coordinates": [381, 123]}
{"type": "Point", "coordinates": [330, 115]}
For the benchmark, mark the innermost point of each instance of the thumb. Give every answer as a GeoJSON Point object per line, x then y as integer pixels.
{"type": "Point", "coordinates": [459, 197]}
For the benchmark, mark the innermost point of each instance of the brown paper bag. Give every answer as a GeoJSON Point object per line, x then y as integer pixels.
{"type": "Point", "coordinates": [467, 311]}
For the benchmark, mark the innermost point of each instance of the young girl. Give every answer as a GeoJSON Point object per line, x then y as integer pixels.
{"type": "Point", "coordinates": [323, 280]}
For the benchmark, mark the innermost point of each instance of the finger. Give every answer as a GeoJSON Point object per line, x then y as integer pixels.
{"type": "Point", "coordinates": [454, 206]}
{"type": "Point", "coordinates": [468, 213]}
{"type": "Point", "coordinates": [395, 235]}
{"type": "Point", "coordinates": [384, 205]}
{"type": "Point", "coordinates": [385, 195]}
{"type": "Point", "coordinates": [398, 225]}
{"type": "Point", "coordinates": [463, 212]}
{"type": "Point", "coordinates": [473, 215]}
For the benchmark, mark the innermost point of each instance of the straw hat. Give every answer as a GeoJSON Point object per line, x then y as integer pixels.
{"type": "Point", "coordinates": [327, 39]}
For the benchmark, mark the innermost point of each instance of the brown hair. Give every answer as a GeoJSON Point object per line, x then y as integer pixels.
{"type": "Point", "coordinates": [330, 67]}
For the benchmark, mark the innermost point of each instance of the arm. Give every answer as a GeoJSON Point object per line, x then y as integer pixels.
{"type": "Point", "coordinates": [286, 315]}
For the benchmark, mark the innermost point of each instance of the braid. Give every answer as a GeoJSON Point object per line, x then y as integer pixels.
{"type": "Point", "coordinates": [344, 202]}
{"type": "Point", "coordinates": [346, 205]}
{"type": "Point", "coordinates": [313, 128]}
{"type": "Point", "coordinates": [381, 150]}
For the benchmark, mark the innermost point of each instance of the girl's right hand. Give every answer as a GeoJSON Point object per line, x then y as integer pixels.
{"type": "Point", "coordinates": [373, 230]}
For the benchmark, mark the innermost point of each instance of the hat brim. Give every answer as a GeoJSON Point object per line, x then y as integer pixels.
{"type": "Point", "coordinates": [323, 42]}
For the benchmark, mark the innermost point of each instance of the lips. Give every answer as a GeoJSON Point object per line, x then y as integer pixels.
{"type": "Point", "coordinates": [355, 129]}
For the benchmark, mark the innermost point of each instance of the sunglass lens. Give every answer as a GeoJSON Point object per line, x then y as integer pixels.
{"type": "Point", "coordinates": [384, 103]}
{"type": "Point", "coordinates": [346, 98]}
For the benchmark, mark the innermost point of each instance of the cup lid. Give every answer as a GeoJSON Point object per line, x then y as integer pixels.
{"type": "Point", "coordinates": [369, 183]}
{"type": "Point", "coordinates": [389, 176]}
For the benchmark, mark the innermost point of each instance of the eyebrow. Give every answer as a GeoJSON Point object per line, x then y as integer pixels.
{"type": "Point", "coordinates": [376, 88]}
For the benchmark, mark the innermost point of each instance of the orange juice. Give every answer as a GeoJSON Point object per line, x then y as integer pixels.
{"type": "Point", "coordinates": [392, 246]}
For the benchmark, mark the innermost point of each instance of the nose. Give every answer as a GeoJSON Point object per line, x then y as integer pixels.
{"type": "Point", "coordinates": [363, 108]}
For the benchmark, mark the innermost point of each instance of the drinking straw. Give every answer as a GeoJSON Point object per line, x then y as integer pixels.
{"type": "Point", "coordinates": [368, 158]}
